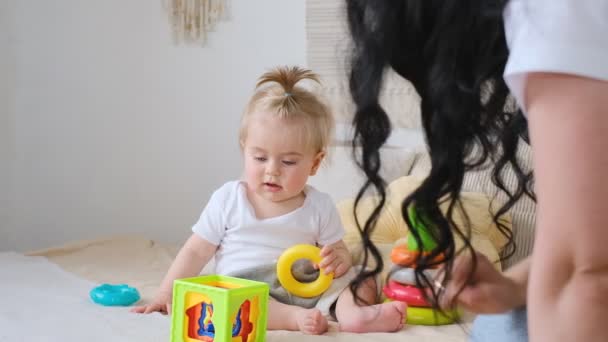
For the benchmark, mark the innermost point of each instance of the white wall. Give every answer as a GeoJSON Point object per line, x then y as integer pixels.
{"type": "Point", "coordinates": [115, 130]}
{"type": "Point", "coordinates": [6, 131]}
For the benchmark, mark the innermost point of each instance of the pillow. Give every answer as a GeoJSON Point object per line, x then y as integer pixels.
{"type": "Point", "coordinates": [391, 227]}
{"type": "Point", "coordinates": [341, 178]}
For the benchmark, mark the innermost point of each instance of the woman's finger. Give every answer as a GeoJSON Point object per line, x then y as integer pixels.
{"type": "Point", "coordinates": [457, 280]}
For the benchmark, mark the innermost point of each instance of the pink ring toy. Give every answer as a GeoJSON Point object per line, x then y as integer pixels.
{"type": "Point", "coordinates": [405, 293]}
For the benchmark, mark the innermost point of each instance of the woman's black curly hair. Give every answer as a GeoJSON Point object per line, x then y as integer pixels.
{"type": "Point", "coordinates": [454, 53]}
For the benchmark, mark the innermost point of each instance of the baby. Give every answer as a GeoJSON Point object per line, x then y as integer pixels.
{"type": "Point", "coordinates": [249, 223]}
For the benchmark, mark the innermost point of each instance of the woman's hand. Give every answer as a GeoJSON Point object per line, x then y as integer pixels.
{"type": "Point", "coordinates": [488, 291]}
{"type": "Point", "coordinates": [336, 258]}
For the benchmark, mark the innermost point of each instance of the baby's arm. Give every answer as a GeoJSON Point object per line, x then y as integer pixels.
{"type": "Point", "coordinates": [336, 258]}
{"type": "Point", "coordinates": [190, 260]}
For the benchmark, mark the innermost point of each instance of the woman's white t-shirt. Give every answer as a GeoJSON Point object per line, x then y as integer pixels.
{"type": "Point", "coordinates": [246, 242]}
{"type": "Point", "coordinates": [561, 36]}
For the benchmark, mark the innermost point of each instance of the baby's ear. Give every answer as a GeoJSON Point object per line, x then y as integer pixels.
{"type": "Point", "coordinates": [317, 162]}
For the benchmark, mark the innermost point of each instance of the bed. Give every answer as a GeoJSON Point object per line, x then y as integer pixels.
{"type": "Point", "coordinates": [46, 296]}
{"type": "Point", "coordinates": [47, 293]}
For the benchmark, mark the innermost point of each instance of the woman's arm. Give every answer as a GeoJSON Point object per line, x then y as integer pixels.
{"type": "Point", "coordinates": [519, 275]}
{"type": "Point", "coordinates": [568, 287]}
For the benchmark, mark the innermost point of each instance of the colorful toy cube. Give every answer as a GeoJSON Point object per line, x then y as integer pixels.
{"type": "Point", "coordinates": [220, 309]}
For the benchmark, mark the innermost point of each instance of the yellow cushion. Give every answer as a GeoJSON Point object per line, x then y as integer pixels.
{"type": "Point", "coordinates": [391, 227]}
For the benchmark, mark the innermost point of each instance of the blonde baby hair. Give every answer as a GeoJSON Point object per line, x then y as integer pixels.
{"type": "Point", "coordinates": [277, 93]}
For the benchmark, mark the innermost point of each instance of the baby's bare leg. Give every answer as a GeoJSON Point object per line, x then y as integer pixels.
{"type": "Point", "coordinates": [361, 318]}
{"type": "Point", "coordinates": [290, 317]}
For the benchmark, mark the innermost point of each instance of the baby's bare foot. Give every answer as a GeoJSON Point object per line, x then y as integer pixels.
{"type": "Point", "coordinates": [386, 317]}
{"type": "Point", "coordinates": [311, 322]}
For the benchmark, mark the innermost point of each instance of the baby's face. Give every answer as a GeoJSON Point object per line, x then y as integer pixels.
{"type": "Point", "coordinates": [277, 165]}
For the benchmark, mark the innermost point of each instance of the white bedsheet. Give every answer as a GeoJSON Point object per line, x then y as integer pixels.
{"type": "Point", "coordinates": [41, 302]}
{"type": "Point", "coordinates": [45, 297]}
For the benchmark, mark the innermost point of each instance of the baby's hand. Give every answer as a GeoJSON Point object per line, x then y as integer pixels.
{"type": "Point", "coordinates": [160, 304]}
{"type": "Point", "coordinates": [336, 258]}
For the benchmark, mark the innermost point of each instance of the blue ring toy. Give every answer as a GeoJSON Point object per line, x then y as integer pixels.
{"type": "Point", "coordinates": [114, 295]}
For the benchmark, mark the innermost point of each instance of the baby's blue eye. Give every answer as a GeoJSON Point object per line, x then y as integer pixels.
{"type": "Point", "coordinates": [289, 162]}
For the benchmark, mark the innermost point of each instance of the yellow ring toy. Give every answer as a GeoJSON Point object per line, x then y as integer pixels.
{"type": "Point", "coordinates": [287, 280]}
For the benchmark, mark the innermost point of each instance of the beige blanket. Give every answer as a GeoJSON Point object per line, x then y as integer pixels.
{"type": "Point", "coordinates": [142, 263]}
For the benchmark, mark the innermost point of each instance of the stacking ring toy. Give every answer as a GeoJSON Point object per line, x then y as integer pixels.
{"type": "Point", "coordinates": [428, 242]}
{"type": "Point", "coordinates": [402, 256]}
{"type": "Point", "coordinates": [405, 293]}
{"type": "Point", "coordinates": [287, 280]}
{"type": "Point", "coordinates": [407, 276]}
{"type": "Point", "coordinates": [427, 316]}
{"type": "Point", "coordinates": [114, 295]}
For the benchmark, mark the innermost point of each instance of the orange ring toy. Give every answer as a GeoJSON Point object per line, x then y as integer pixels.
{"type": "Point", "coordinates": [402, 256]}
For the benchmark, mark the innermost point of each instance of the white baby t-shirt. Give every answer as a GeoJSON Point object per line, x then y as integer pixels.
{"type": "Point", "coordinates": [245, 242]}
{"type": "Point", "coordinates": [562, 36]}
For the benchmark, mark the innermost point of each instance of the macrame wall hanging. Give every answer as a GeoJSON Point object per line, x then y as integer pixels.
{"type": "Point", "coordinates": [192, 20]}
